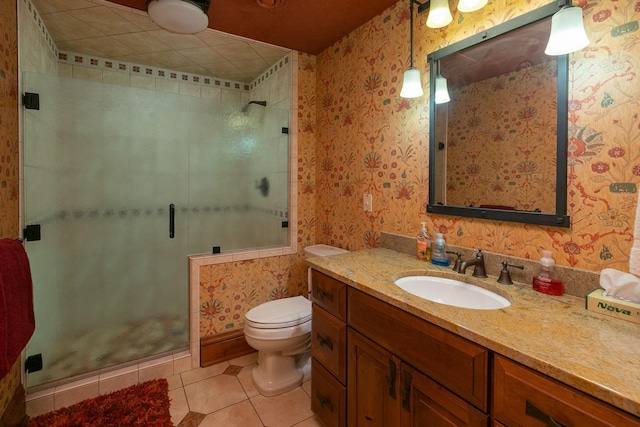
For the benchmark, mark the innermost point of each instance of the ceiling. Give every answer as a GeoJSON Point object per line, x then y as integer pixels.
{"type": "Point", "coordinates": [243, 40]}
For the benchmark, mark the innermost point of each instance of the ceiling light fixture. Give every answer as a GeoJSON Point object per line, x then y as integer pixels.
{"type": "Point", "coordinates": [411, 83]}
{"type": "Point", "coordinates": [180, 16]}
{"type": "Point", "coordinates": [567, 32]}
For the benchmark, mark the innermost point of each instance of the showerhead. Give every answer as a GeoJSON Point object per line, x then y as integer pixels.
{"type": "Point", "coordinates": [245, 108]}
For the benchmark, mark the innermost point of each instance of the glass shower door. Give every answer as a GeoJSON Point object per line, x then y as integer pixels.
{"type": "Point", "coordinates": [103, 165]}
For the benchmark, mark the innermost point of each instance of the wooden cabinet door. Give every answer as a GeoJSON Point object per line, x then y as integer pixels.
{"type": "Point", "coordinates": [526, 398]}
{"type": "Point", "coordinates": [426, 403]}
{"type": "Point", "coordinates": [372, 384]}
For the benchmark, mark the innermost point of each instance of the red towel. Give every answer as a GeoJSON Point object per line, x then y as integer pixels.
{"type": "Point", "coordinates": [17, 321]}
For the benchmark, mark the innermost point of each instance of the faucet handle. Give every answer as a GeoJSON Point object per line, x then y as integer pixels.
{"type": "Point", "coordinates": [479, 254]}
{"type": "Point", "coordinates": [505, 276]}
{"type": "Point", "coordinates": [458, 261]}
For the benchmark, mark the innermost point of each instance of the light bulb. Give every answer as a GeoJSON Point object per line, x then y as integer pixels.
{"type": "Point", "coordinates": [442, 93]}
{"type": "Point", "coordinates": [411, 84]}
{"type": "Point", "coordinates": [471, 5]}
{"type": "Point", "coordinates": [439, 14]}
{"type": "Point", "coordinates": [567, 32]}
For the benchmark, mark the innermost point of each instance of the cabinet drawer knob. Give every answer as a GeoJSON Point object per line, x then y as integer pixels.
{"type": "Point", "coordinates": [537, 413]}
{"type": "Point", "coordinates": [324, 402]}
{"type": "Point", "coordinates": [322, 294]}
{"type": "Point", "coordinates": [326, 342]}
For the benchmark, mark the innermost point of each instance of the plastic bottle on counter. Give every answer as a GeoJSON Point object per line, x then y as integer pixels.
{"type": "Point", "coordinates": [423, 244]}
{"type": "Point", "coordinates": [439, 251]}
{"type": "Point", "coordinates": [547, 281]}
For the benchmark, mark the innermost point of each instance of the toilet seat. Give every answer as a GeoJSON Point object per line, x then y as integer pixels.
{"type": "Point", "coordinates": [280, 313]}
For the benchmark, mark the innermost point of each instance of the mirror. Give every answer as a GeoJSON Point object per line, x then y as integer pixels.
{"type": "Point", "coordinates": [498, 148]}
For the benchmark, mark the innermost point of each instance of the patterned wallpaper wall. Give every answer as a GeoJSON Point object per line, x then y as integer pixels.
{"type": "Point", "coordinates": [510, 163]}
{"type": "Point", "coordinates": [372, 141]}
{"type": "Point", "coordinates": [9, 158]}
{"type": "Point", "coordinates": [358, 136]}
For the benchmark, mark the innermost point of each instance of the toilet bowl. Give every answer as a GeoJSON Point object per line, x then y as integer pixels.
{"type": "Point", "coordinates": [281, 332]}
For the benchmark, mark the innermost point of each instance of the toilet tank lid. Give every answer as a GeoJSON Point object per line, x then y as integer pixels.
{"type": "Point", "coordinates": [293, 311]}
{"type": "Point", "coordinates": [323, 250]}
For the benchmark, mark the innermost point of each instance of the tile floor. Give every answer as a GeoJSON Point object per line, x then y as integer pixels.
{"type": "Point", "coordinates": [223, 395]}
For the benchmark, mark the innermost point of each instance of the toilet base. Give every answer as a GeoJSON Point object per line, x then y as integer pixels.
{"type": "Point", "coordinates": [277, 374]}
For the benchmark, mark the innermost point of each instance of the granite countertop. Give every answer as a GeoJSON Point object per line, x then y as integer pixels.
{"type": "Point", "coordinates": [553, 335]}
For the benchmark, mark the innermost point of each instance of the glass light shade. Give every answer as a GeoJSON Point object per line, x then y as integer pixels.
{"type": "Point", "coordinates": [178, 16]}
{"type": "Point", "coordinates": [471, 5]}
{"type": "Point", "coordinates": [439, 14]}
{"type": "Point", "coordinates": [442, 93]}
{"type": "Point", "coordinates": [411, 84]}
{"type": "Point", "coordinates": [567, 32]}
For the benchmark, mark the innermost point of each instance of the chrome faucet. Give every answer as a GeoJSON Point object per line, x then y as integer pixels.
{"type": "Point", "coordinates": [478, 262]}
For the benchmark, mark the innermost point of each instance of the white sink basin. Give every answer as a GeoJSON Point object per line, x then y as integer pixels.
{"type": "Point", "coordinates": [452, 292]}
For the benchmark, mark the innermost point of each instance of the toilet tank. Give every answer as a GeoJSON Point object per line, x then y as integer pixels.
{"type": "Point", "coordinates": [322, 250]}
{"type": "Point", "coordinates": [319, 250]}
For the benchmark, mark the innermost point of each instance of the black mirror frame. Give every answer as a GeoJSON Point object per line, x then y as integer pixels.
{"type": "Point", "coordinates": [560, 218]}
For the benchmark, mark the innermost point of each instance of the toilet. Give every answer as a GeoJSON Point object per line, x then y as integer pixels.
{"type": "Point", "coordinates": [281, 332]}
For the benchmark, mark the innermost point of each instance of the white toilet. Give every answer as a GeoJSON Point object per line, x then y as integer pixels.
{"type": "Point", "coordinates": [281, 332]}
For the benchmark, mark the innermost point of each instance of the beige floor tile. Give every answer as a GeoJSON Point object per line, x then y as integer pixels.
{"type": "Point", "coordinates": [118, 382]}
{"type": "Point", "coordinates": [310, 422]}
{"type": "Point", "coordinates": [284, 410]}
{"type": "Point", "coordinates": [247, 382]}
{"type": "Point", "coordinates": [179, 407]}
{"type": "Point", "coordinates": [200, 374]}
{"type": "Point", "coordinates": [175, 381]}
{"type": "Point", "coordinates": [239, 415]}
{"type": "Point", "coordinates": [246, 360]}
{"type": "Point", "coordinates": [306, 386]}
{"type": "Point", "coordinates": [215, 393]}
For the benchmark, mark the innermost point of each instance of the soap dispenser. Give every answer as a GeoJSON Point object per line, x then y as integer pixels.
{"type": "Point", "coordinates": [439, 252]}
{"type": "Point", "coordinates": [546, 280]}
{"type": "Point", "coordinates": [423, 244]}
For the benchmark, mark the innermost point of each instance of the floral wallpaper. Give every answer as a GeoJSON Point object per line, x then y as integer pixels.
{"type": "Point", "coordinates": [510, 164]}
{"type": "Point", "coordinates": [372, 141]}
{"type": "Point", "coordinates": [9, 157]}
{"type": "Point", "coordinates": [358, 136]}
{"type": "Point", "coordinates": [228, 291]}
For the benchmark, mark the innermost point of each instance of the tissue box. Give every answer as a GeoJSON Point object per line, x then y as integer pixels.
{"type": "Point", "coordinates": [612, 307]}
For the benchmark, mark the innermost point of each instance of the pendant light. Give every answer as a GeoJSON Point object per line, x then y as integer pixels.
{"type": "Point", "coordinates": [439, 14]}
{"type": "Point", "coordinates": [411, 83]}
{"type": "Point", "coordinates": [441, 92]}
{"type": "Point", "coordinates": [471, 5]}
{"type": "Point", "coordinates": [567, 32]}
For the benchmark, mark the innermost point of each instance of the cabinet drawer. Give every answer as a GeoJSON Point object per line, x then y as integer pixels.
{"type": "Point", "coordinates": [524, 397]}
{"type": "Point", "coordinates": [330, 294]}
{"type": "Point", "coordinates": [328, 397]}
{"type": "Point", "coordinates": [328, 342]}
{"type": "Point", "coordinates": [452, 361]}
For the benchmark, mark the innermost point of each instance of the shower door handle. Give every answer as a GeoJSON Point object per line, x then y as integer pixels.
{"type": "Point", "coordinates": [172, 220]}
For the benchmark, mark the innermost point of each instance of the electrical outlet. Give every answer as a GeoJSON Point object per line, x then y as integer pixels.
{"type": "Point", "coordinates": [367, 203]}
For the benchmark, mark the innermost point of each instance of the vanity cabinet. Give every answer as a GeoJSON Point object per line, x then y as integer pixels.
{"type": "Point", "coordinates": [524, 397]}
{"type": "Point", "coordinates": [377, 365]}
{"type": "Point", "coordinates": [386, 391]}
{"type": "Point", "coordinates": [329, 349]}
{"type": "Point", "coordinates": [405, 371]}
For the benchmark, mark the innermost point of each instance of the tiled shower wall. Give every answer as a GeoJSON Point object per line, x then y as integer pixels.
{"type": "Point", "coordinates": [39, 54]}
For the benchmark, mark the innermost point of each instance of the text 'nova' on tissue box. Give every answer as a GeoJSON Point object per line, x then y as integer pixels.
{"type": "Point", "coordinates": [614, 307]}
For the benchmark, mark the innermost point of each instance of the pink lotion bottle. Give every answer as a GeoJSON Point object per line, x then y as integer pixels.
{"type": "Point", "coordinates": [547, 281]}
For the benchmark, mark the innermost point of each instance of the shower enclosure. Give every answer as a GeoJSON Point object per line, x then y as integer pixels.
{"type": "Point", "coordinates": [123, 184]}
